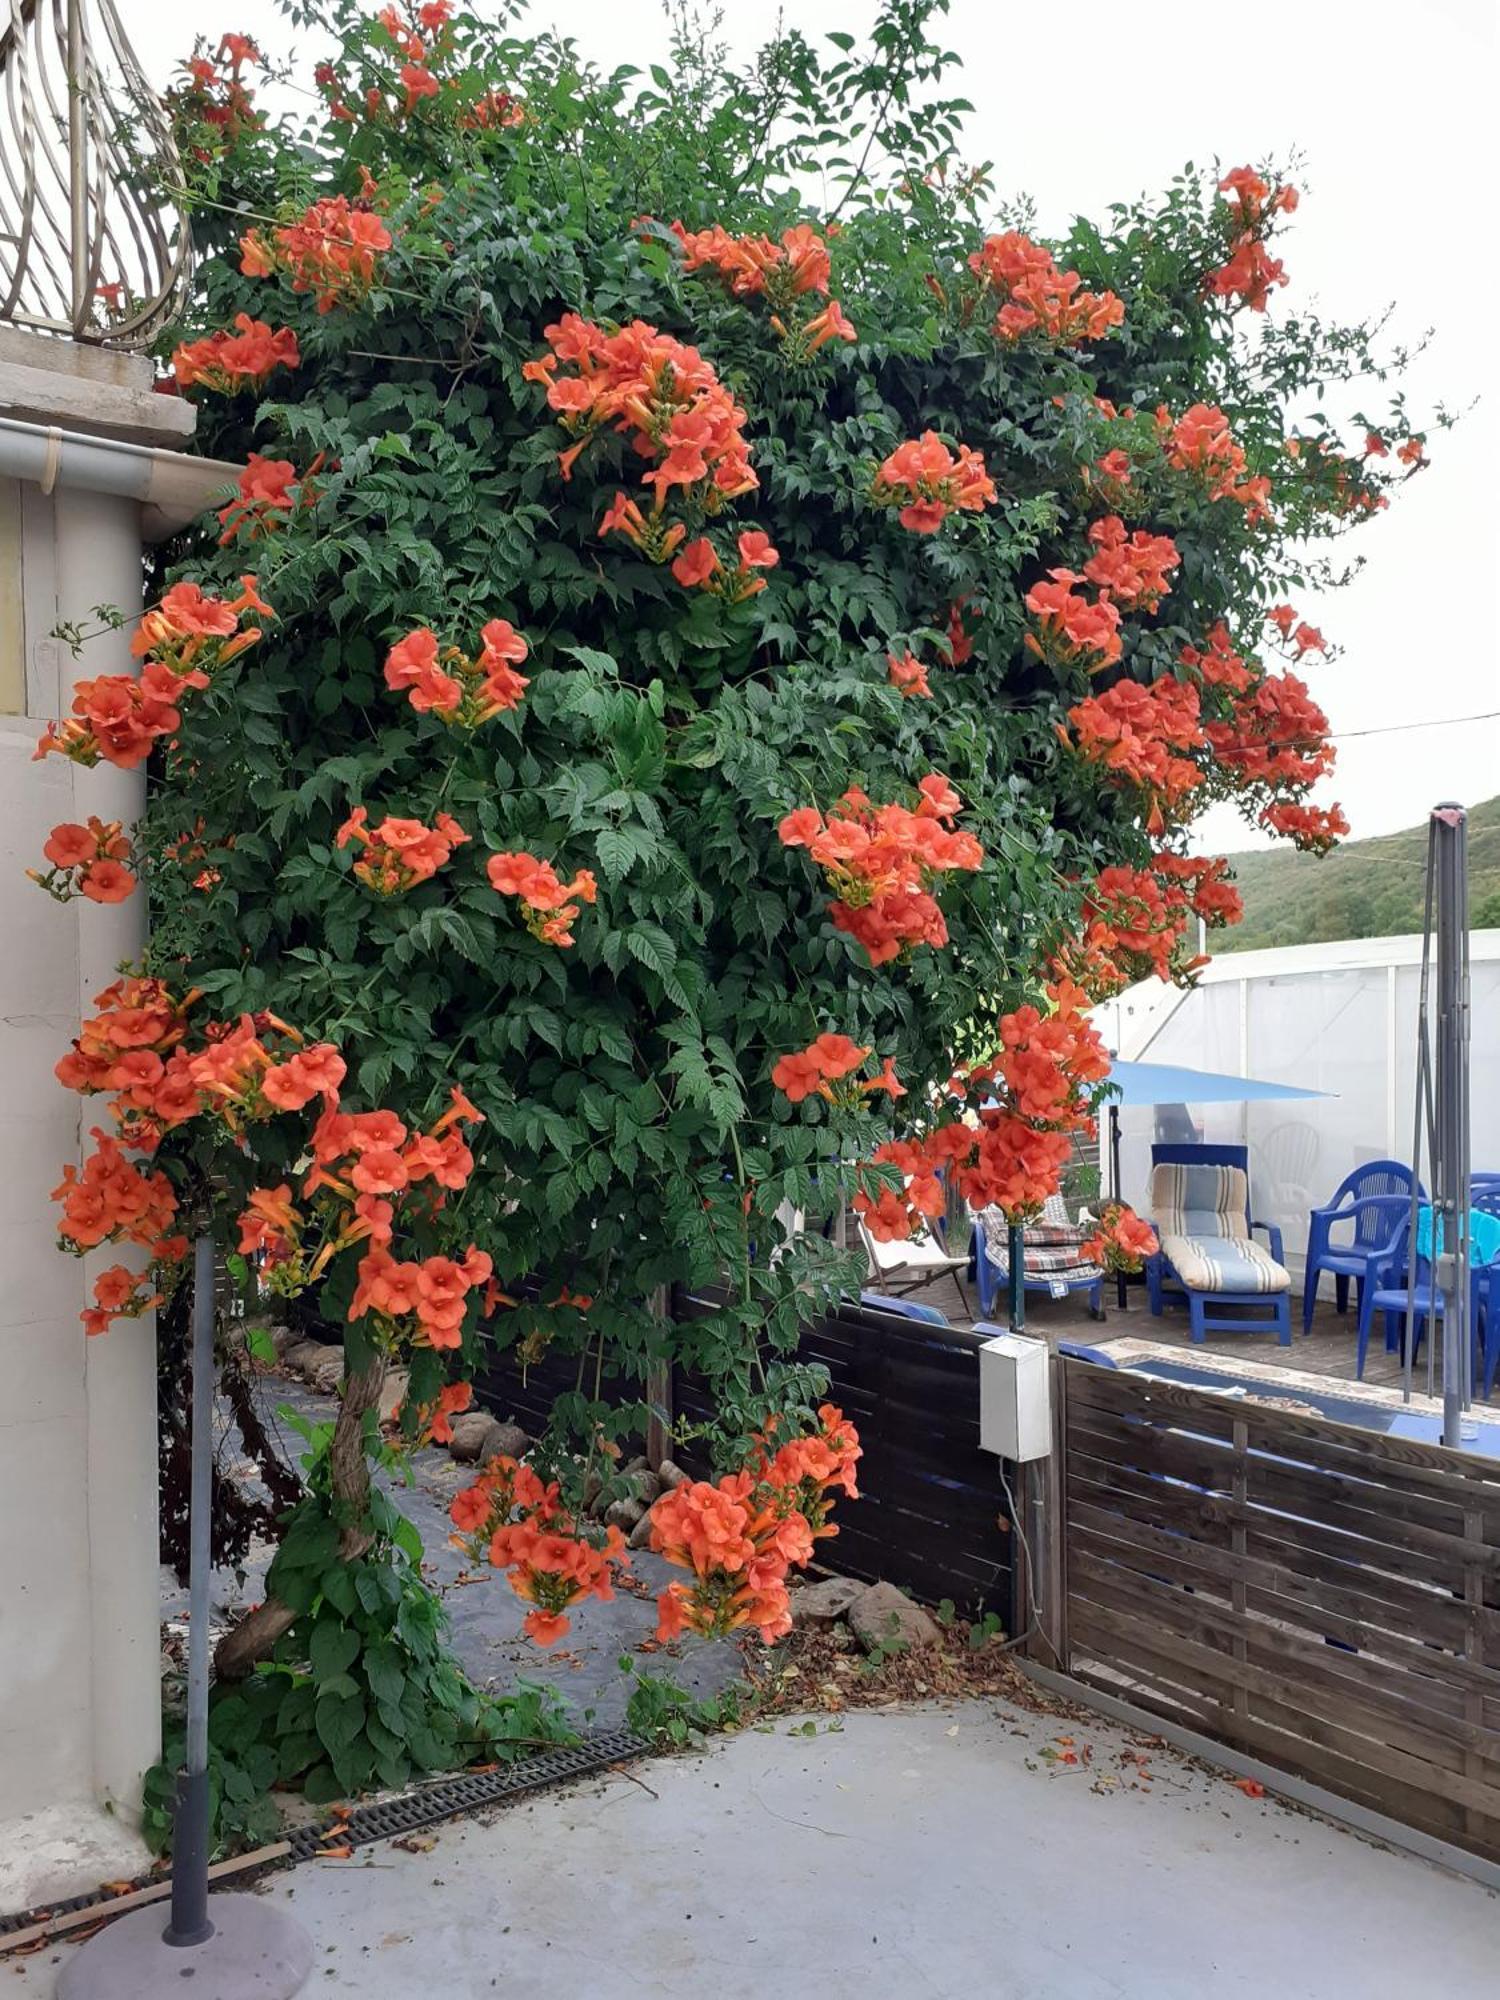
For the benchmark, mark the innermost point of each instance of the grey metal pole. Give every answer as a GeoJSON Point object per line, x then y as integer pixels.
{"type": "Point", "coordinates": [250, 1949]}
{"type": "Point", "coordinates": [1450, 1194]}
{"type": "Point", "coordinates": [1017, 1243]}
{"type": "Point", "coordinates": [190, 1922]}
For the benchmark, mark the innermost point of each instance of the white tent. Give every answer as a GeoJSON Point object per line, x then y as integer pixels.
{"type": "Point", "coordinates": [1340, 1018]}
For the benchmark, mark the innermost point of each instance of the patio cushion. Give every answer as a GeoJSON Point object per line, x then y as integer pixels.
{"type": "Point", "coordinates": [1051, 1248]}
{"type": "Point", "coordinates": [1224, 1263]}
{"type": "Point", "coordinates": [1200, 1201]}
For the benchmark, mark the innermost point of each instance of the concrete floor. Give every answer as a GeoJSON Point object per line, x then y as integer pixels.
{"type": "Point", "coordinates": [923, 1853]}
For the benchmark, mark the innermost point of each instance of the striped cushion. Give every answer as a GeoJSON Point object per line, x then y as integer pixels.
{"type": "Point", "coordinates": [1200, 1201]}
{"type": "Point", "coordinates": [1224, 1263]}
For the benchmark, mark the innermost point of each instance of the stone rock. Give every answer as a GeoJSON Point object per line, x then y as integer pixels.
{"type": "Point", "coordinates": [648, 1488]}
{"type": "Point", "coordinates": [593, 1486]}
{"type": "Point", "coordinates": [640, 1534]}
{"type": "Point", "coordinates": [624, 1514]}
{"type": "Point", "coordinates": [670, 1474]}
{"type": "Point", "coordinates": [317, 1363]}
{"type": "Point", "coordinates": [882, 1615]}
{"type": "Point", "coordinates": [826, 1602]}
{"type": "Point", "coordinates": [472, 1439]}
{"type": "Point", "coordinates": [509, 1440]}
{"type": "Point", "coordinates": [392, 1394]}
{"type": "Point", "coordinates": [634, 1466]}
{"type": "Point", "coordinates": [301, 1356]}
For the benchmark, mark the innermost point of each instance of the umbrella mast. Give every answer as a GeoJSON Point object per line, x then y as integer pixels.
{"type": "Point", "coordinates": [1442, 1094]}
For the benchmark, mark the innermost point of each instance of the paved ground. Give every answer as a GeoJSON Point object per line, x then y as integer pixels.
{"type": "Point", "coordinates": [931, 1854]}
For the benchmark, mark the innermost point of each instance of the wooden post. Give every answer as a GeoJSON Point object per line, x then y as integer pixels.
{"type": "Point", "coordinates": [659, 1391]}
{"type": "Point", "coordinates": [1237, 1592]}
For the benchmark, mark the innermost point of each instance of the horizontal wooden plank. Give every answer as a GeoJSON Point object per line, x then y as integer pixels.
{"type": "Point", "coordinates": [1150, 1685]}
{"type": "Point", "coordinates": [1431, 1618]}
{"type": "Point", "coordinates": [1280, 1478]}
{"type": "Point", "coordinates": [1425, 1716]}
{"type": "Point", "coordinates": [1115, 1632]}
{"type": "Point", "coordinates": [1343, 1534]}
{"type": "Point", "coordinates": [1123, 1392]}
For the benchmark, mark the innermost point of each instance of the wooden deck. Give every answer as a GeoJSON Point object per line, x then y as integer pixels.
{"type": "Point", "coordinates": [1328, 1350]}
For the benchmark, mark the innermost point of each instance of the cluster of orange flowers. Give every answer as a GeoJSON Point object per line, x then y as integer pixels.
{"type": "Point", "coordinates": [1136, 920]}
{"type": "Point", "coordinates": [826, 1068]}
{"type": "Point", "coordinates": [1132, 732]}
{"type": "Point", "coordinates": [1038, 297]}
{"type": "Point", "coordinates": [331, 250]}
{"type": "Point", "coordinates": [231, 361]}
{"type": "Point", "coordinates": [1122, 1242]}
{"type": "Point", "coordinates": [399, 853]}
{"type": "Point", "coordinates": [432, 1422]}
{"type": "Point", "coordinates": [883, 862]}
{"type": "Point", "coordinates": [1276, 733]}
{"type": "Point", "coordinates": [216, 94]}
{"type": "Point", "coordinates": [924, 479]}
{"type": "Point", "coordinates": [1133, 568]}
{"type": "Point", "coordinates": [1044, 1079]}
{"type": "Point", "coordinates": [521, 1525]}
{"type": "Point", "coordinates": [1250, 273]}
{"type": "Point", "coordinates": [1200, 441]}
{"type": "Point", "coordinates": [697, 566]}
{"type": "Point", "coordinates": [86, 861]}
{"type": "Point", "coordinates": [131, 1048]}
{"type": "Point", "coordinates": [270, 491]}
{"type": "Point", "coordinates": [1071, 627]}
{"type": "Point", "coordinates": [118, 717]}
{"type": "Point", "coordinates": [1314, 829]}
{"type": "Point", "coordinates": [443, 681]}
{"type": "Point", "coordinates": [363, 1164]}
{"type": "Point", "coordinates": [660, 394]}
{"type": "Point", "coordinates": [1216, 662]}
{"type": "Point", "coordinates": [548, 905]}
{"type": "Point", "coordinates": [1303, 637]}
{"type": "Point", "coordinates": [908, 676]}
{"type": "Point", "coordinates": [741, 1536]}
{"type": "Point", "coordinates": [782, 273]}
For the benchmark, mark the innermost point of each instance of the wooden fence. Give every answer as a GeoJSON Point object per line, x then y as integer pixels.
{"type": "Point", "coordinates": [931, 1513]}
{"type": "Point", "coordinates": [1324, 1597]}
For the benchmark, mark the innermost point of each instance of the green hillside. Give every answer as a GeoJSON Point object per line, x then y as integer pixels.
{"type": "Point", "coordinates": [1366, 888]}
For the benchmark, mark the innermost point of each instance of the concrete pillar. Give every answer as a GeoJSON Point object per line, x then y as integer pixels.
{"type": "Point", "coordinates": [80, 1679]}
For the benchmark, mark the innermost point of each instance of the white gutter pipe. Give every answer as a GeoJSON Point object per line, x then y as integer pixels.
{"type": "Point", "coordinates": [171, 486]}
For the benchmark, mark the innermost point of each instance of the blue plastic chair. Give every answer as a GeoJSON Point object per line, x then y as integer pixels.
{"type": "Point", "coordinates": [1484, 1194]}
{"type": "Point", "coordinates": [1389, 1296]}
{"type": "Point", "coordinates": [1375, 1181]}
{"type": "Point", "coordinates": [1254, 1312]}
{"type": "Point", "coordinates": [993, 1284]}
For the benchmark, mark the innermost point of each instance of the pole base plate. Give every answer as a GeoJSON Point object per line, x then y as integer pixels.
{"type": "Point", "coordinates": [257, 1952]}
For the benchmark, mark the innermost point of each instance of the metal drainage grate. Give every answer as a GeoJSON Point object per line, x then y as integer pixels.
{"type": "Point", "coordinates": [425, 1807]}
{"type": "Point", "coordinates": [451, 1796]}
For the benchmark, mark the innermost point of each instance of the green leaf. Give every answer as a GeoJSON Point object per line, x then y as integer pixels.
{"type": "Point", "coordinates": [332, 1649]}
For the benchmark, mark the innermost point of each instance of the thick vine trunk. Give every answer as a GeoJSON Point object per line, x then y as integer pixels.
{"type": "Point", "coordinates": [255, 1636]}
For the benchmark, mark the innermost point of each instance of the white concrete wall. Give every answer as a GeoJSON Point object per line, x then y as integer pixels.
{"type": "Point", "coordinates": [79, 1653]}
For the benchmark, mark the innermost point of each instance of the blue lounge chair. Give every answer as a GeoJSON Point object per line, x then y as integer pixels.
{"type": "Point", "coordinates": [1051, 1260]}
{"type": "Point", "coordinates": [1357, 1200]}
{"type": "Point", "coordinates": [1200, 1204]}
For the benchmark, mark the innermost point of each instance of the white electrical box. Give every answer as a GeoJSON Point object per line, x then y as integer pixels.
{"type": "Point", "coordinates": [1015, 1414]}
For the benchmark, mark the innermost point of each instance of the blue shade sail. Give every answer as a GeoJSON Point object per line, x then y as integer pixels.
{"type": "Point", "coordinates": [1166, 1083]}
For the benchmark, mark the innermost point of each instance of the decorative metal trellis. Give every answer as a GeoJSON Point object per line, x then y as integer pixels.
{"type": "Point", "coordinates": [92, 241]}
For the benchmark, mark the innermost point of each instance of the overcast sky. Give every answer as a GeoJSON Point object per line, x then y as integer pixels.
{"type": "Point", "coordinates": [1393, 107]}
